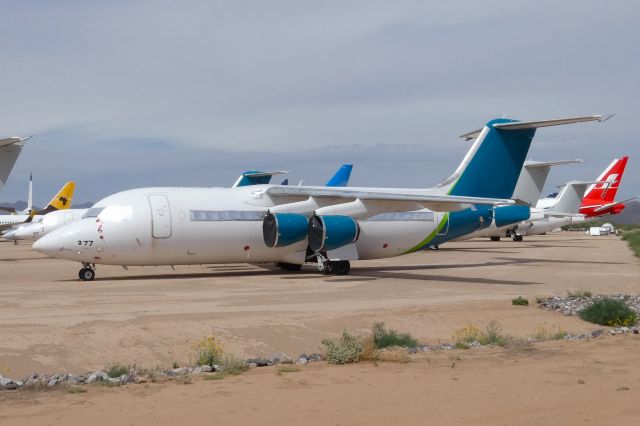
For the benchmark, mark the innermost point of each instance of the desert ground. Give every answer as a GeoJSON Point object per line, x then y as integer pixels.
{"type": "Point", "coordinates": [51, 322]}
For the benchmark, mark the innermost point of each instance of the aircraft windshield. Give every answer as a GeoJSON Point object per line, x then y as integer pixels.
{"type": "Point", "coordinates": [93, 212]}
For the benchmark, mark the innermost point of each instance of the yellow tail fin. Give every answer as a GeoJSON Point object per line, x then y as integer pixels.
{"type": "Point", "coordinates": [62, 200]}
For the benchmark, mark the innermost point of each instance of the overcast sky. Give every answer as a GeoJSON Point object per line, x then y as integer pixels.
{"type": "Point", "coordinates": [122, 94]}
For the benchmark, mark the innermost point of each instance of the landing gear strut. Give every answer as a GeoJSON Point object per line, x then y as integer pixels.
{"type": "Point", "coordinates": [87, 273]}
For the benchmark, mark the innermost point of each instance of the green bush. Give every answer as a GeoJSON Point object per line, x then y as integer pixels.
{"type": "Point", "coordinates": [520, 301]}
{"type": "Point", "coordinates": [383, 338]}
{"type": "Point", "coordinates": [346, 349]}
{"type": "Point", "coordinates": [233, 365]}
{"type": "Point", "coordinates": [208, 351]}
{"type": "Point", "coordinates": [493, 335]}
{"type": "Point", "coordinates": [632, 237]}
{"type": "Point", "coordinates": [116, 370]}
{"type": "Point", "coordinates": [610, 312]}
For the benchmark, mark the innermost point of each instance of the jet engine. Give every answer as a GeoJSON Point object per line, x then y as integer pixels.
{"type": "Point", "coordinates": [283, 229]}
{"type": "Point", "coordinates": [331, 232]}
{"type": "Point", "coordinates": [509, 215]}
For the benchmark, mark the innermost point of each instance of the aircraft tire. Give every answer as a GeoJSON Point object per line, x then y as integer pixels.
{"type": "Point", "coordinates": [86, 274]}
{"type": "Point", "coordinates": [289, 266]}
{"type": "Point", "coordinates": [495, 238]}
{"type": "Point", "coordinates": [516, 237]}
{"type": "Point", "coordinates": [342, 267]}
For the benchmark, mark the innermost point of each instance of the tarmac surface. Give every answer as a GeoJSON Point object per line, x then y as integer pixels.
{"type": "Point", "coordinates": [52, 322]}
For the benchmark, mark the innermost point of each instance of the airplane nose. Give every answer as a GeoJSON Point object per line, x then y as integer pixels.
{"type": "Point", "coordinates": [47, 244]}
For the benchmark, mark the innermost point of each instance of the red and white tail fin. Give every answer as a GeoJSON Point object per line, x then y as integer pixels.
{"type": "Point", "coordinates": [603, 193]}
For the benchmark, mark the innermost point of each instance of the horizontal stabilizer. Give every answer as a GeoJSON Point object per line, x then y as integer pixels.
{"type": "Point", "coordinates": [609, 205]}
{"type": "Point", "coordinates": [535, 164]}
{"type": "Point", "coordinates": [520, 125]}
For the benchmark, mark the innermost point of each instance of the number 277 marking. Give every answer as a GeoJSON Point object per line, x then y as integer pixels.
{"type": "Point", "coordinates": [85, 243]}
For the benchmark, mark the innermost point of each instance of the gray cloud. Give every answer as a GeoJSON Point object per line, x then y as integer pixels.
{"type": "Point", "coordinates": [127, 93]}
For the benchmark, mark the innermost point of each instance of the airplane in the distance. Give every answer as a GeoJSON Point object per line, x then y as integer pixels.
{"type": "Point", "coordinates": [292, 225]}
{"type": "Point", "coordinates": [61, 201]}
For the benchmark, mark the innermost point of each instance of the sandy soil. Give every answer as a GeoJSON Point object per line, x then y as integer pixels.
{"type": "Point", "coordinates": [51, 322]}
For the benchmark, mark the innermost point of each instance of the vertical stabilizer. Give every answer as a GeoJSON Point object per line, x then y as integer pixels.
{"type": "Point", "coordinates": [30, 197]}
{"type": "Point", "coordinates": [10, 149]}
{"type": "Point", "coordinates": [570, 198]}
{"type": "Point", "coordinates": [533, 178]}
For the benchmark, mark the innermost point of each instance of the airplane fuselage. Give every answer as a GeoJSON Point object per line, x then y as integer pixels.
{"type": "Point", "coordinates": [174, 226]}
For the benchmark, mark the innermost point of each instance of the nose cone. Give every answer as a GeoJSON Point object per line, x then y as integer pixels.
{"type": "Point", "coordinates": [49, 244]}
{"type": "Point", "coordinates": [75, 241]}
{"type": "Point", "coordinates": [9, 236]}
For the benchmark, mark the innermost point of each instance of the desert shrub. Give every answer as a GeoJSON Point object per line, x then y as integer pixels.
{"type": "Point", "coordinates": [611, 312]}
{"type": "Point", "coordinates": [383, 338]}
{"type": "Point", "coordinates": [233, 365]}
{"type": "Point", "coordinates": [76, 389]}
{"type": "Point", "coordinates": [208, 351]}
{"type": "Point", "coordinates": [578, 294]}
{"type": "Point", "coordinates": [470, 334]}
{"type": "Point", "coordinates": [466, 335]}
{"type": "Point", "coordinates": [520, 301]}
{"type": "Point", "coordinates": [542, 333]}
{"type": "Point", "coordinates": [346, 349]}
{"type": "Point", "coordinates": [289, 369]}
{"type": "Point", "coordinates": [493, 335]}
{"type": "Point", "coordinates": [393, 354]}
{"type": "Point", "coordinates": [632, 237]}
{"type": "Point", "coordinates": [540, 300]}
{"type": "Point", "coordinates": [369, 351]}
{"type": "Point", "coordinates": [116, 370]}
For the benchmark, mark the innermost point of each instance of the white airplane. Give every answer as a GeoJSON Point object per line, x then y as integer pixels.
{"type": "Point", "coordinates": [56, 219]}
{"type": "Point", "coordinates": [61, 201]}
{"type": "Point", "coordinates": [10, 149]}
{"type": "Point", "coordinates": [291, 225]}
{"type": "Point", "coordinates": [528, 189]}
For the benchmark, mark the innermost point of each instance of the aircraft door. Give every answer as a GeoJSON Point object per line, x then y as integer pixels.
{"type": "Point", "coordinates": [160, 216]}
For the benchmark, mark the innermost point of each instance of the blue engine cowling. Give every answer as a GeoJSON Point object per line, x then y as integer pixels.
{"type": "Point", "coordinates": [509, 215]}
{"type": "Point", "coordinates": [283, 229]}
{"type": "Point", "coordinates": [331, 232]}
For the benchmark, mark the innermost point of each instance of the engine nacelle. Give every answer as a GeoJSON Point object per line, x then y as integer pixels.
{"type": "Point", "coordinates": [509, 215]}
{"type": "Point", "coordinates": [283, 229]}
{"type": "Point", "coordinates": [332, 232]}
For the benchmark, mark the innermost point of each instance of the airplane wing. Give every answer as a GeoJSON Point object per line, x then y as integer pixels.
{"type": "Point", "coordinates": [338, 195]}
{"type": "Point", "coordinates": [609, 205]}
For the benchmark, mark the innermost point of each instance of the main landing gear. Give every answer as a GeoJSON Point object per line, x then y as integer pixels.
{"type": "Point", "coordinates": [337, 267]}
{"type": "Point", "coordinates": [87, 273]}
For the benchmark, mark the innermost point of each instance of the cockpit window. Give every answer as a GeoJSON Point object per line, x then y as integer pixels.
{"type": "Point", "coordinates": [93, 212]}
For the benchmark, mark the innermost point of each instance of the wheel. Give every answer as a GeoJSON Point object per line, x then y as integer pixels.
{"type": "Point", "coordinates": [516, 237]}
{"type": "Point", "coordinates": [87, 274]}
{"type": "Point", "coordinates": [289, 266]}
{"type": "Point", "coordinates": [495, 238]}
{"type": "Point", "coordinates": [342, 267]}
{"type": "Point", "coordinates": [436, 247]}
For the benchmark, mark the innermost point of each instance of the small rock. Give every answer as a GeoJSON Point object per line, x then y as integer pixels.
{"type": "Point", "coordinates": [302, 361]}
{"type": "Point", "coordinates": [97, 376]}
{"type": "Point", "coordinates": [4, 382]}
{"type": "Point", "coordinates": [259, 362]}
{"type": "Point", "coordinates": [612, 332]}
{"type": "Point", "coordinates": [598, 332]}
{"type": "Point", "coordinates": [206, 368]}
{"type": "Point", "coordinates": [636, 331]}
{"type": "Point", "coordinates": [180, 371]}
{"type": "Point", "coordinates": [52, 382]}
{"type": "Point", "coordinates": [413, 350]}
{"type": "Point", "coordinates": [75, 380]}
{"type": "Point", "coordinates": [252, 364]}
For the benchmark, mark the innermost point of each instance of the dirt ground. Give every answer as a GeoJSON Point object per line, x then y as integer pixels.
{"type": "Point", "coordinates": [51, 322]}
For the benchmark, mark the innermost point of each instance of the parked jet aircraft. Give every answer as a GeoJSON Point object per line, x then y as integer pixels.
{"type": "Point", "coordinates": [54, 220]}
{"type": "Point", "coordinates": [293, 225]}
{"type": "Point", "coordinates": [599, 198]}
{"type": "Point", "coordinates": [10, 149]}
{"type": "Point", "coordinates": [528, 189]}
{"type": "Point", "coordinates": [62, 200]}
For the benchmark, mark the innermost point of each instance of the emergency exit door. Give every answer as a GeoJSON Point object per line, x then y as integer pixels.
{"type": "Point", "coordinates": [160, 216]}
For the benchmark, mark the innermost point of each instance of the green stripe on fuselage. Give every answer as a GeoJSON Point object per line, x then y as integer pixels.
{"type": "Point", "coordinates": [431, 236]}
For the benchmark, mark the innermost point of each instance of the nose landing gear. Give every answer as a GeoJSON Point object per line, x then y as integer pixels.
{"type": "Point", "coordinates": [87, 273]}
